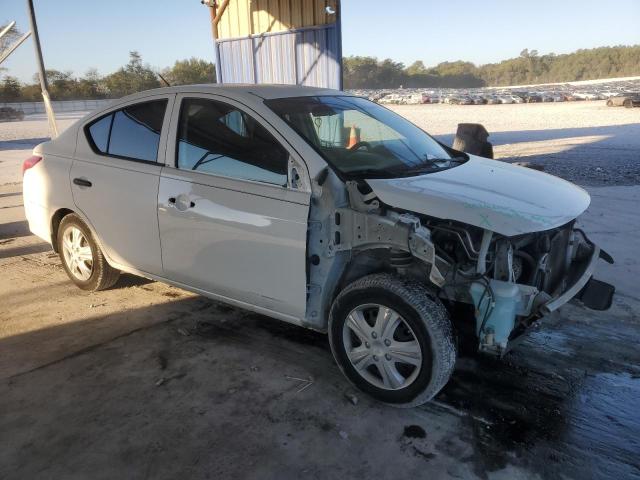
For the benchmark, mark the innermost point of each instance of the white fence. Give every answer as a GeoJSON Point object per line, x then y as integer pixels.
{"type": "Point", "coordinates": [58, 106]}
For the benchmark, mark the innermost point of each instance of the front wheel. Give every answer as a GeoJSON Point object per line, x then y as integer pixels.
{"type": "Point", "coordinates": [392, 338]}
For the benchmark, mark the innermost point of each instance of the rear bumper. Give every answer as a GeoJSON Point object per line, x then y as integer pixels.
{"type": "Point", "coordinates": [33, 196]}
{"type": "Point", "coordinates": [38, 219]}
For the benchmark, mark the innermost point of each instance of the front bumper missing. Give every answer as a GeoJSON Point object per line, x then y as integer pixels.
{"type": "Point", "coordinates": [594, 294]}
{"type": "Point", "coordinates": [575, 288]}
{"type": "Point", "coordinates": [503, 331]}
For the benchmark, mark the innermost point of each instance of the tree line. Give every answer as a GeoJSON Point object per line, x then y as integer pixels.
{"type": "Point", "coordinates": [528, 68]}
{"type": "Point", "coordinates": [133, 77]}
{"type": "Point", "coordinates": [359, 72]}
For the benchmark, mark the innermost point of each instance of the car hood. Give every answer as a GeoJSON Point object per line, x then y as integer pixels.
{"type": "Point", "coordinates": [497, 196]}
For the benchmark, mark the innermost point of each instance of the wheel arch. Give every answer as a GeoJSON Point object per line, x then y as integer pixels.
{"type": "Point", "coordinates": [56, 218]}
{"type": "Point", "coordinates": [368, 262]}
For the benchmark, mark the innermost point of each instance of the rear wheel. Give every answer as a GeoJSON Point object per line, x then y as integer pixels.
{"type": "Point", "coordinates": [392, 339]}
{"type": "Point", "coordinates": [628, 103]}
{"type": "Point", "coordinates": [609, 103]}
{"type": "Point", "coordinates": [81, 257]}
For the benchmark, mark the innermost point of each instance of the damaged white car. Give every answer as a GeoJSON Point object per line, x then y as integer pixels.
{"type": "Point", "coordinates": [320, 209]}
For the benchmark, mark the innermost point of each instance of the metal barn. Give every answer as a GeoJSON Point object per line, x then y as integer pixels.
{"type": "Point", "coordinates": [278, 41]}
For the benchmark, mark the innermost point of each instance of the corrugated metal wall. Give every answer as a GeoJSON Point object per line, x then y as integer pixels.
{"type": "Point", "coordinates": [280, 41]}
{"type": "Point", "coordinates": [243, 18]}
{"type": "Point", "coordinates": [309, 57]}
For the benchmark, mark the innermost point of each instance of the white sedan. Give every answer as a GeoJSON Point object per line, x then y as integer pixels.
{"type": "Point", "coordinates": [321, 209]}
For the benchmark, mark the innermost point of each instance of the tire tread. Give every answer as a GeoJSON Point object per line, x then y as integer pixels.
{"type": "Point", "coordinates": [430, 310]}
{"type": "Point", "coordinates": [107, 276]}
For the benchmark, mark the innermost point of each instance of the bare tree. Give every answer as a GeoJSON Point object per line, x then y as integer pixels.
{"type": "Point", "coordinates": [8, 38]}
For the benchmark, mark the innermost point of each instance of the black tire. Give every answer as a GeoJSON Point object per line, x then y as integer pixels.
{"type": "Point", "coordinates": [628, 104]}
{"type": "Point", "coordinates": [609, 103]}
{"type": "Point", "coordinates": [102, 275]}
{"type": "Point", "coordinates": [422, 312]}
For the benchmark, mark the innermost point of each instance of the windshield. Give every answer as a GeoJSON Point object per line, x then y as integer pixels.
{"type": "Point", "coordinates": [361, 139]}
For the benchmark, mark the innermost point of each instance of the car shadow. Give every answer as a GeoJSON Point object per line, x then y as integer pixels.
{"type": "Point", "coordinates": [11, 194]}
{"type": "Point", "coordinates": [22, 143]}
{"type": "Point", "coordinates": [629, 130]}
{"type": "Point", "coordinates": [594, 156]}
{"type": "Point", "coordinates": [14, 229]}
{"type": "Point", "coordinates": [21, 250]}
{"type": "Point", "coordinates": [515, 411]}
{"type": "Point", "coordinates": [127, 280]}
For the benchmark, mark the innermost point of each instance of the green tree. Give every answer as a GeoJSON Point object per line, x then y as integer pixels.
{"type": "Point", "coordinates": [190, 71]}
{"type": "Point", "coordinates": [90, 85]}
{"type": "Point", "coordinates": [11, 36]}
{"type": "Point", "coordinates": [62, 85]}
{"type": "Point", "coordinates": [10, 89]}
{"type": "Point", "coordinates": [7, 40]}
{"type": "Point", "coordinates": [133, 77]}
{"type": "Point", "coordinates": [416, 68]}
{"type": "Point", "coordinates": [369, 72]}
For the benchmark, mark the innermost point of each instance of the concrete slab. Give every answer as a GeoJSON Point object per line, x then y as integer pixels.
{"type": "Point", "coordinates": [145, 380]}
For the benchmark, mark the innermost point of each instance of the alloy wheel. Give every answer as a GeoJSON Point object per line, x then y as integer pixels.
{"type": "Point", "coordinates": [77, 253]}
{"type": "Point", "coordinates": [382, 347]}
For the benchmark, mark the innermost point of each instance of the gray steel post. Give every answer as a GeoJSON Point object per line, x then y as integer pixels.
{"type": "Point", "coordinates": [36, 44]}
{"type": "Point", "coordinates": [44, 85]}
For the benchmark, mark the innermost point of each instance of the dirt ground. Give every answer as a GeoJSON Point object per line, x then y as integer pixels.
{"type": "Point", "coordinates": [149, 381]}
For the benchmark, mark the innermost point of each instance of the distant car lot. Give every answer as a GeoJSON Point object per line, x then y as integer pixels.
{"type": "Point", "coordinates": [616, 92]}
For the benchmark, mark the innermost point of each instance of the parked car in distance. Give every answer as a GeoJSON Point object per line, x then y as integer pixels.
{"type": "Point", "coordinates": [624, 100]}
{"type": "Point", "coordinates": [9, 113]}
{"type": "Point", "coordinates": [321, 209]}
{"type": "Point", "coordinates": [505, 99]}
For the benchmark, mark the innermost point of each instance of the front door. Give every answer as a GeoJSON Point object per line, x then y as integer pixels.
{"type": "Point", "coordinates": [115, 178]}
{"type": "Point", "coordinates": [230, 222]}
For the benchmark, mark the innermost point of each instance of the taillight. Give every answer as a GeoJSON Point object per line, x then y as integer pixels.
{"type": "Point", "coordinates": [30, 162]}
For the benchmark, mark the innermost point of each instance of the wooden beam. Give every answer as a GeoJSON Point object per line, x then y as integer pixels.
{"type": "Point", "coordinates": [219, 13]}
{"type": "Point", "coordinates": [214, 28]}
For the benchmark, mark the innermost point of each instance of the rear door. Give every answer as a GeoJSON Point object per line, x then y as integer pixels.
{"type": "Point", "coordinates": [115, 178]}
{"type": "Point", "coordinates": [231, 222]}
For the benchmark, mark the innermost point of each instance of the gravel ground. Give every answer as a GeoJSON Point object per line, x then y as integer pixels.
{"type": "Point", "coordinates": [584, 142]}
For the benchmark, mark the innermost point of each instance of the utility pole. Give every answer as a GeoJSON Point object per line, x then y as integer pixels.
{"type": "Point", "coordinates": [41, 71]}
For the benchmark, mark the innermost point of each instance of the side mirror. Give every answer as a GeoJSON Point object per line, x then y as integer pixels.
{"type": "Point", "coordinates": [297, 175]}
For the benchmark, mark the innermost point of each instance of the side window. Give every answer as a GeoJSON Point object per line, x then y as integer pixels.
{"type": "Point", "coordinates": [99, 132]}
{"type": "Point", "coordinates": [132, 132]}
{"type": "Point", "coordinates": [217, 138]}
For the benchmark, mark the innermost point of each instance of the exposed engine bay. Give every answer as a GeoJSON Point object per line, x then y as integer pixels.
{"type": "Point", "coordinates": [509, 281]}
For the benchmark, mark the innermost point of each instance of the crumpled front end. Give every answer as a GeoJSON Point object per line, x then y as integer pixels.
{"type": "Point", "coordinates": [517, 280]}
{"type": "Point", "coordinates": [509, 278]}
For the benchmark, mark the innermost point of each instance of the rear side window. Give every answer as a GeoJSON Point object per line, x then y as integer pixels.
{"type": "Point", "coordinates": [218, 138]}
{"type": "Point", "coordinates": [99, 132]}
{"type": "Point", "coordinates": [132, 132]}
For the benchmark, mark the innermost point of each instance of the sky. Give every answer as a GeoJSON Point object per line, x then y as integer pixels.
{"type": "Point", "coordinates": [81, 34]}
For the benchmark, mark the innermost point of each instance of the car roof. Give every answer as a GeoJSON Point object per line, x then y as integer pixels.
{"type": "Point", "coordinates": [264, 91]}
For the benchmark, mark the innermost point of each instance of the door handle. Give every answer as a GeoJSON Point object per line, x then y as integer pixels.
{"type": "Point", "coordinates": [82, 182]}
{"type": "Point", "coordinates": [181, 202]}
